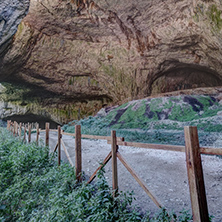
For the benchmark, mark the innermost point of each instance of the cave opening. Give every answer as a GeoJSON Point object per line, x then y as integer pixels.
{"type": "Point", "coordinates": [186, 77]}
{"type": "Point", "coordinates": [32, 118]}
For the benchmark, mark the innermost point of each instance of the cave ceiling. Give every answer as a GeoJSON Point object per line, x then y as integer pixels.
{"type": "Point", "coordinates": [113, 50]}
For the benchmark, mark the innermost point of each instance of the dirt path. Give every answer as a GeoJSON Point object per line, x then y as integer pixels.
{"type": "Point", "coordinates": [163, 171]}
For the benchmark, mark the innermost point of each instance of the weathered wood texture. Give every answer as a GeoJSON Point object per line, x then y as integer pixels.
{"type": "Point", "coordinates": [108, 138]}
{"type": "Point", "coordinates": [55, 148]}
{"type": "Point", "coordinates": [47, 134]}
{"type": "Point", "coordinates": [139, 180]}
{"type": "Point", "coordinates": [114, 163]}
{"type": "Point", "coordinates": [14, 128]}
{"type": "Point", "coordinates": [24, 138]}
{"type": "Point", "coordinates": [37, 134]}
{"type": "Point", "coordinates": [151, 146]}
{"type": "Point", "coordinates": [68, 134]}
{"type": "Point", "coordinates": [67, 153]}
{"type": "Point", "coordinates": [211, 151]}
{"type": "Point", "coordinates": [106, 160]}
{"type": "Point", "coordinates": [59, 145]}
{"type": "Point", "coordinates": [29, 132]}
{"type": "Point", "coordinates": [195, 175]}
{"type": "Point", "coordinates": [94, 137]}
{"type": "Point", "coordinates": [8, 124]}
{"type": "Point", "coordinates": [78, 152]}
{"type": "Point", "coordinates": [20, 130]}
{"type": "Point", "coordinates": [203, 150]}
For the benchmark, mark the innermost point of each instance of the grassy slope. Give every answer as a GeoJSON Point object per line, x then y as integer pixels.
{"type": "Point", "coordinates": [152, 120]}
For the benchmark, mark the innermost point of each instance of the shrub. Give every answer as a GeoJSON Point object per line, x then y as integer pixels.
{"type": "Point", "coordinates": [33, 188]}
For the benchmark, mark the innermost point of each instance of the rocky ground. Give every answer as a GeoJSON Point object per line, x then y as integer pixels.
{"type": "Point", "coordinates": [164, 172]}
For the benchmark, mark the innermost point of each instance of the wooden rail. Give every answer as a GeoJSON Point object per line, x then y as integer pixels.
{"type": "Point", "coordinates": [139, 180]}
{"type": "Point", "coordinates": [192, 150]}
{"type": "Point", "coordinates": [108, 138]}
{"type": "Point", "coordinates": [203, 150]}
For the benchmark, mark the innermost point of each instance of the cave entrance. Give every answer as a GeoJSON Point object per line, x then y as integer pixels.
{"type": "Point", "coordinates": [32, 118]}
{"type": "Point", "coordinates": [185, 78]}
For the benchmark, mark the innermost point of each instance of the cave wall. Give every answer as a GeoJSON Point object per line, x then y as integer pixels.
{"type": "Point", "coordinates": [115, 50]}
{"type": "Point", "coordinates": [11, 14]}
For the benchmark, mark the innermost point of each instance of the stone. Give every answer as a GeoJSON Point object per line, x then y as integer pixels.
{"type": "Point", "coordinates": [112, 51]}
{"type": "Point", "coordinates": [11, 14]}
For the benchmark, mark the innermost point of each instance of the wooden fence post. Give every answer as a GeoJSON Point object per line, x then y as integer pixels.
{"type": "Point", "coordinates": [20, 130]}
{"type": "Point", "coordinates": [29, 130]}
{"type": "Point", "coordinates": [14, 128]}
{"type": "Point", "coordinates": [59, 145]}
{"type": "Point", "coordinates": [195, 175]}
{"type": "Point", "coordinates": [78, 162]}
{"type": "Point", "coordinates": [37, 134]}
{"type": "Point", "coordinates": [46, 134]}
{"type": "Point", "coordinates": [114, 163]}
{"type": "Point", "coordinates": [8, 124]}
{"type": "Point", "coordinates": [24, 139]}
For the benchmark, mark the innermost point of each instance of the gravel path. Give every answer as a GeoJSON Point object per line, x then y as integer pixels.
{"type": "Point", "coordinates": [164, 172]}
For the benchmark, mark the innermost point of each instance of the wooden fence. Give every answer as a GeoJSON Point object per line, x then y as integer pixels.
{"type": "Point", "coordinates": [193, 160]}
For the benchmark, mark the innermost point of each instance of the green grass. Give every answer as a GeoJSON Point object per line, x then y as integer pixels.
{"type": "Point", "coordinates": [33, 188]}
{"type": "Point", "coordinates": [183, 114]}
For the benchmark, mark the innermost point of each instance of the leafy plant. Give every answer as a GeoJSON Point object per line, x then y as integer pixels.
{"type": "Point", "coordinates": [33, 188]}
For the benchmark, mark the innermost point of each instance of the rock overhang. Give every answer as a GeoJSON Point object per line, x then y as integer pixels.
{"type": "Point", "coordinates": [118, 50]}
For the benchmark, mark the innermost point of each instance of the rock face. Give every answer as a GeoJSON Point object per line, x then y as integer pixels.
{"type": "Point", "coordinates": [11, 14]}
{"type": "Point", "coordinates": [115, 50]}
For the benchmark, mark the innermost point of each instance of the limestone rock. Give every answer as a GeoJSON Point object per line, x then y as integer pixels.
{"type": "Point", "coordinates": [11, 14]}
{"type": "Point", "coordinates": [116, 50]}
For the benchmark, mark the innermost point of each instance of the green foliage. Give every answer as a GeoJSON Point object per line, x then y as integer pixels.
{"type": "Point", "coordinates": [207, 127]}
{"type": "Point", "coordinates": [182, 114]}
{"type": "Point", "coordinates": [215, 16]}
{"type": "Point", "coordinates": [164, 216]}
{"type": "Point", "coordinates": [172, 126]}
{"type": "Point", "coordinates": [130, 120]}
{"type": "Point", "coordinates": [14, 93]}
{"type": "Point", "coordinates": [33, 188]}
{"type": "Point", "coordinates": [156, 104]}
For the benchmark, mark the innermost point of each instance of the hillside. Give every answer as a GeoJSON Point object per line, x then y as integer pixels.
{"type": "Point", "coordinates": [159, 119]}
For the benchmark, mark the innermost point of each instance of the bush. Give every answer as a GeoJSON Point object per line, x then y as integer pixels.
{"type": "Point", "coordinates": [33, 188]}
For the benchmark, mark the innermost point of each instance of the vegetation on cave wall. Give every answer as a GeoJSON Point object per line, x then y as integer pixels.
{"type": "Point", "coordinates": [57, 109]}
{"type": "Point", "coordinates": [215, 16]}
